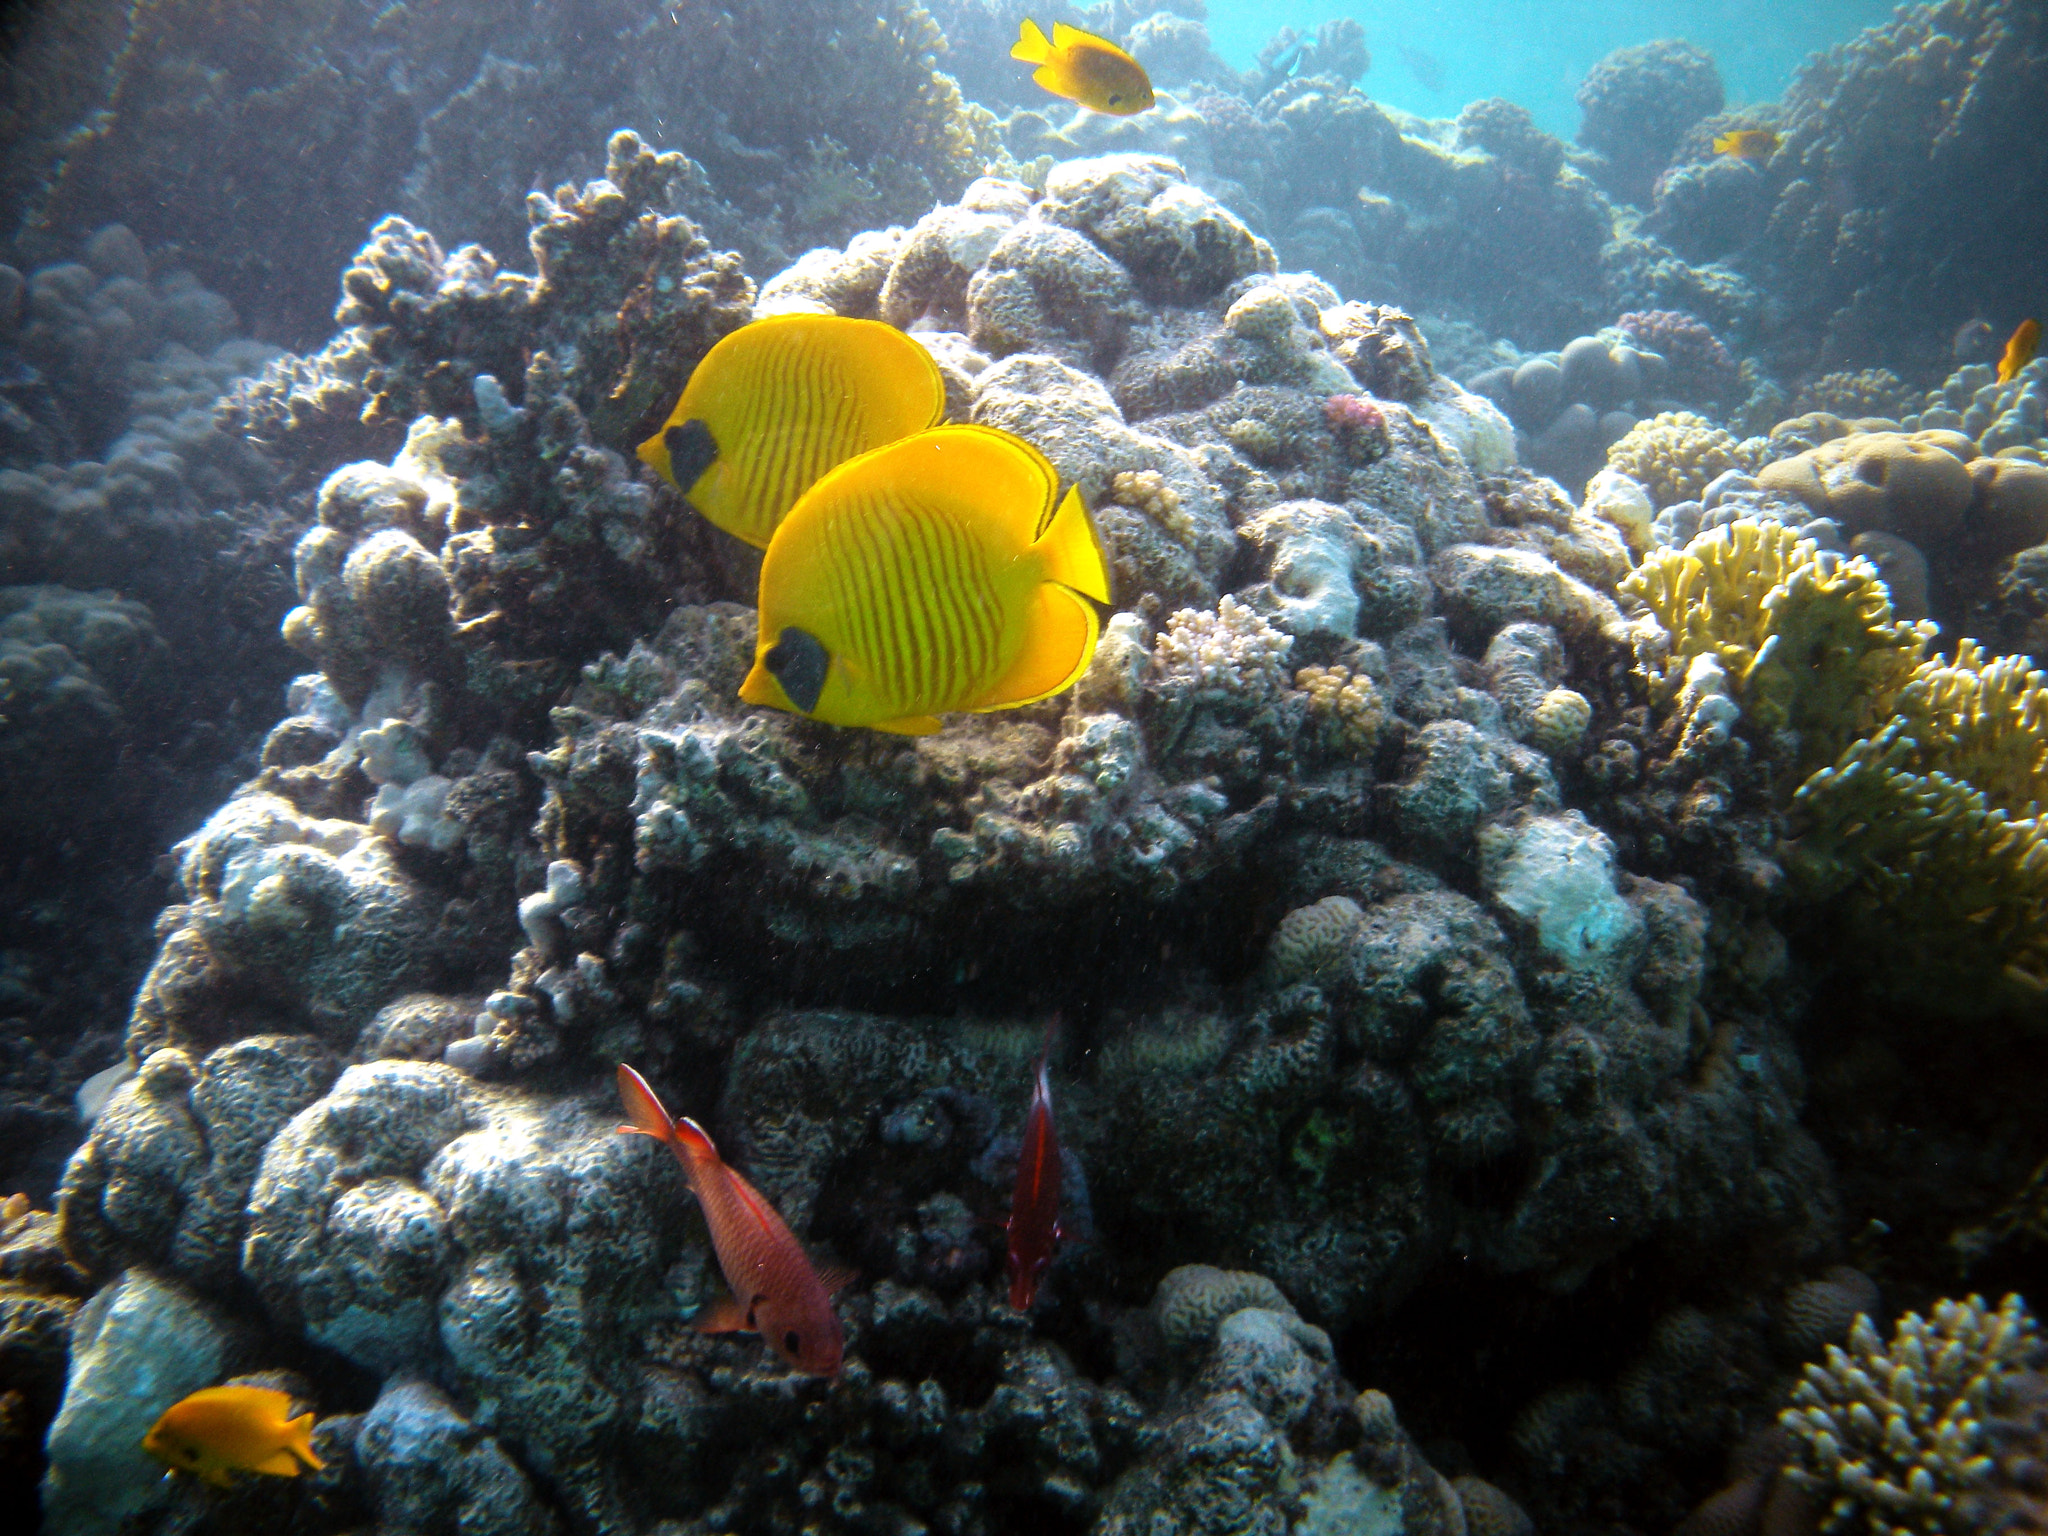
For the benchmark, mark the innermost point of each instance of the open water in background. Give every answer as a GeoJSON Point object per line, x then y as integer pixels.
{"type": "Point", "coordinates": [1535, 52]}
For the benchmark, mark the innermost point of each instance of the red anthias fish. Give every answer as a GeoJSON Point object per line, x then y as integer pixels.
{"type": "Point", "coordinates": [1034, 1224]}
{"type": "Point", "coordinates": [775, 1290]}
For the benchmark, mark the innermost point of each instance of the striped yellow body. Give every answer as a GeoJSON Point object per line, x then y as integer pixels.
{"type": "Point", "coordinates": [785, 399]}
{"type": "Point", "coordinates": [937, 574]}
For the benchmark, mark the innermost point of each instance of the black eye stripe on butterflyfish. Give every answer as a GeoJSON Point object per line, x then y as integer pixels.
{"type": "Point", "coordinates": [691, 450]}
{"type": "Point", "coordinates": [799, 662]}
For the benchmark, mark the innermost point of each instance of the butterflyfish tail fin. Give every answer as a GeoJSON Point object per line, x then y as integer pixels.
{"type": "Point", "coordinates": [1073, 550]}
{"type": "Point", "coordinates": [643, 1109]}
{"type": "Point", "coordinates": [1060, 630]}
{"type": "Point", "coordinates": [1031, 46]}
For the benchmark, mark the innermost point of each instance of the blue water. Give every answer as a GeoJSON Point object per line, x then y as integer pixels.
{"type": "Point", "coordinates": [1537, 53]}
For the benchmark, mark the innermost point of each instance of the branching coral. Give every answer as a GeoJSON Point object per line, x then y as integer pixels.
{"type": "Point", "coordinates": [1893, 1436]}
{"type": "Point", "coordinates": [1932, 827]}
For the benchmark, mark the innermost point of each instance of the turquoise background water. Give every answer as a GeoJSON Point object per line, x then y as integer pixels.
{"type": "Point", "coordinates": [1536, 53]}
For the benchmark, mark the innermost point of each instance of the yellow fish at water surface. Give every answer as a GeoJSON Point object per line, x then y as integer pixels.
{"type": "Point", "coordinates": [1084, 68]}
{"type": "Point", "coordinates": [941, 573]}
{"type": "Point", "coordinates": [778, 402]}
{"type": "Point", "coordinates": [1748, 144]}
{"type": "Point", "coordinates": [221, 1430]}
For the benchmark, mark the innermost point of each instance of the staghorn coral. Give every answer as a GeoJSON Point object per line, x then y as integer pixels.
{"type": "Point", "coordinates": [1674, 455]}
{"type": "Point", "coordinates": [1892, 1436]}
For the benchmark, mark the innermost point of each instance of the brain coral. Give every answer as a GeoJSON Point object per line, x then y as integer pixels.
{"type": "Point", "coordinates": [1674, 455]}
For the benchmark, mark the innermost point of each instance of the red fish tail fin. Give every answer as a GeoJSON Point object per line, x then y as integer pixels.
{"type": "Point", "coordinates": [1052, 1029]}
{"type": "Point", "coordinates": [643, 1109]}
{"type": "Point", "coordinates": [693, 1143]}
{"type": "Point", "coordinates": [1032, 45]}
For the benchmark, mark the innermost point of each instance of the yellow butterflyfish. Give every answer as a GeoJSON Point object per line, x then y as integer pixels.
{"type": "Point", "coordinates": [221, 1430]}
{"type": "Point", "coordinates": [941, 573]}
{"type": "Point", "coordinates": [1084, 68]}
{"type": "Point", "coordinates": [1747, 143]}
{"type": "Point", "coordinates": [778, 402]}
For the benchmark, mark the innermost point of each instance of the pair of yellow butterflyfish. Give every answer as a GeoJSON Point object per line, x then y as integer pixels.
{"type": "Point", "coordinates": [912, 569]}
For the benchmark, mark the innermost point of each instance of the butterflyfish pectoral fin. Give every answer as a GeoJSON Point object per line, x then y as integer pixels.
{"type": "Point", "coordinates": [1060, 630]}
{"type": "Point", "coordinates": [1072, 549]}
{"type": "Point", "coordinates": [910, 725]}
{"type": "Point", "coordinates": [1031, 46]}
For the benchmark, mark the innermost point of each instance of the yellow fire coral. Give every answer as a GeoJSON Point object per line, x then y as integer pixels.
{"type": "Point", "coordinates": [1919, 780]}
{"type": "Point", "coordinates": [1808, 641]}
{"type": "Point", "coordinates": [1932, 827]}
{"type": "Point", "coordinates": [1675, 455]}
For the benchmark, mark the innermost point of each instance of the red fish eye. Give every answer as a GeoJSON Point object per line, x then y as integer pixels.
{"type": "Point", "coordinates": [793, 1342]}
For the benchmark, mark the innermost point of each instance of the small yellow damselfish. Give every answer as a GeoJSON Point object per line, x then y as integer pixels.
{"type": "Point", "coordinates": [778, 402]}
{"type": "Point", "coordinates": [940, 573]}
{"type": "Point", "coordinates": [1086, 69]}
{"type": "Point", "coordinates": [1747, 144]}
{"type": "Point", "coordinates": [221, 1430]}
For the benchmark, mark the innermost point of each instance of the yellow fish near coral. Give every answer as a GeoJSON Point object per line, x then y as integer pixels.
{"type": "Point", "coordinates": [220, 1430]}
{"type": "Point", "coordinates": [2019, 350]}
{"type": "Point", "coordinates": [940, 573]}
{"type": "Point", "coordinates": [1747, 144]}
{"type": "Point", "coordinates": [1084, 68]}
{"type": "Point", "coordinates": [778, 402]}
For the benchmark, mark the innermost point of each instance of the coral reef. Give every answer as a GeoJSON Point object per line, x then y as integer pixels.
{"type": "Point", "coordinates": [1500, 903]}
{"type": "Point", "coordinates": [1858, 217]}
{"type": "Point", "coordinates": [855, 135]}
{"type": "Point", "coordinates": [1636, 102]}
